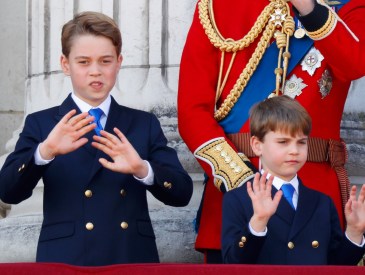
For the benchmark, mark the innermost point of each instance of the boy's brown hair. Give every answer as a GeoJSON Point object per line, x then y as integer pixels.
{"type": "Point", "coordinates": [93, 23]}
{"type": "Point", "coordinates": [279, 113]}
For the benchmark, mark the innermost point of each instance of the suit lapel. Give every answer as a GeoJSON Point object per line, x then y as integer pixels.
{"type": "Point", "coordinates": [284, 211]}
{"type": "Point", "coordinates": [67, 106]}
{"type": "Point", "coordinates": [118, 117]}
{"type": "Point", "coordinates": [307, 204]}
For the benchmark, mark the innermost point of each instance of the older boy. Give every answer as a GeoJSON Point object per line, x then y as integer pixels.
{"type": "Point", "coordinates": [92, 215]}
{"type": "Point", "coordinates": [259, 226]}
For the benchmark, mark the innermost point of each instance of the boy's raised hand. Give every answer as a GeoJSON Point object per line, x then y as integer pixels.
{"type": "Point", "coordinates": [355, 215]}
{"type": "Point", "coordinates": [125, 157]}
{"type": "Point", "coordinates": [65, 137]}
{"type": "Point", "coordinates": [264, 206]}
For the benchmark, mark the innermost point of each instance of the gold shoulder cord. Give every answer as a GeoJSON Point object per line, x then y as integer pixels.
{"type": "Point", "coordinates": [274, 21]}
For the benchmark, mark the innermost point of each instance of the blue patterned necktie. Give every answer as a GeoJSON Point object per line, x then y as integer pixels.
{"type": "Point", "coordinates": [288, 191]}
{"type": "Point", "coordinates": [97, 113]}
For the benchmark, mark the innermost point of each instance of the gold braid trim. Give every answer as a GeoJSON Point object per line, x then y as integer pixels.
{"type": "Point", "coordinates": [206, 17]}
{"type": "Point", "coordinates": [267, 23]}
{"type": "Point", "coordinates": [246, 74]}
{"type": "Point", "coordinates": [326, 29]}
{"type": "Point", "coordinates": [228, 167]}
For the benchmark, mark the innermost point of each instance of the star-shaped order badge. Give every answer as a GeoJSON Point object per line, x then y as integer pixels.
{"type": "Point", "coordinates": [294, 86]}
{"type": "Point", "coordinates": [278, 17]}
{"type": "Point", "coordinates": [312, 61]}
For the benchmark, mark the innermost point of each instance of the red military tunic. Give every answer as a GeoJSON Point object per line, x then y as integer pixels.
{"type": "Point", "coordinates": [343, 56]}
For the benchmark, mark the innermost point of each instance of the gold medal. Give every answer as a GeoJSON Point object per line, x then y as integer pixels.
{"type": "Point", "coordinates": [299, 33]}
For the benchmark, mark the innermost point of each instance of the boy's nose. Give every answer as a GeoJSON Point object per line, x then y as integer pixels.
{"type": "Point", "coordinates": [95, 69]}
{"type": "Point", "coordinates": [294, 149]}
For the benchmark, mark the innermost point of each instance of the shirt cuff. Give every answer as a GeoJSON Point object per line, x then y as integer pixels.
{"type": "Point", "coordinates": [148, 180]}
{"type": "Point", "coordinates": [38, 158]}
{"type": "Point", "coordinates": [359, 245]}
{"type": "Point", "coordinates": [258, 234]}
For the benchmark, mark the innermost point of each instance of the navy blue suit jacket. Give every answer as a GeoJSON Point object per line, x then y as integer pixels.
{"type": "Point", "coordinates": [117, 208]}
{"type": "Point", "coordinates": [311, 235]}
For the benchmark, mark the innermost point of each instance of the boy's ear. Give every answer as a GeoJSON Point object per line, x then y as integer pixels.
{"type": "Point", "coordinates": [65, 65]}
{"type": "Point", "coordinates": [256, 145]}
{"type": "Point", "coordinates": [120, 59]}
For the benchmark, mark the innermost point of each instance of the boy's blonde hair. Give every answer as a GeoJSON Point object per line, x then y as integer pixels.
{"type": "Point", "coordinates": [280, 113]}
{"type": "Point", "coordinates": [93, 23]}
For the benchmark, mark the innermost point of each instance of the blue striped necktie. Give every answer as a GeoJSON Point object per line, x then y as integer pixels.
{"type": "Point", "coordinates": [288, 191]}
{"type": "Point", "coordinates": [97, 113]}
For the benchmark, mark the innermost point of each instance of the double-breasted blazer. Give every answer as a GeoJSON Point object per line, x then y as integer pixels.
{"type": "Point", "coordinates": [309, 235]}
{"type": "Point", "coordinates": [94, 216]}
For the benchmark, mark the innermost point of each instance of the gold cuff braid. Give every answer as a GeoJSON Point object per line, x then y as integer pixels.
{"type": "Point", "coordinates": [228, 167]}
{"type": "Point", "coordinates": [326, 29]}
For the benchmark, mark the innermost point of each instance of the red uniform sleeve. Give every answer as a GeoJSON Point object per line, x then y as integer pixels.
{"type": "Point", "coordinates": [344, 54]}
{"type": "Point", "coordinates": [197, 83]}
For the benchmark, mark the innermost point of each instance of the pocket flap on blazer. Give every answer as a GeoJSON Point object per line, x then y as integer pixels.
{"type": "Point", "coordinates": [56, 231]}
{"type": "Point", "coordinates": [145, 228]}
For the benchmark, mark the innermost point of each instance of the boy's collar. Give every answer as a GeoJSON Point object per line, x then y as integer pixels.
{"type": "Point", "coordinates": [278, 182]}
{"type": "Point", "coordinates": [85, 107]}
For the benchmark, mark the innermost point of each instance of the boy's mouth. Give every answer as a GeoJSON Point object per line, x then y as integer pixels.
{"type": "Point", "coordinates": [96, 84]}
{"type": "Point", "coordinates": [293, 162]}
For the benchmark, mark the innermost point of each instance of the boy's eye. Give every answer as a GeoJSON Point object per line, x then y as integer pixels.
{"type": "Point", "coordinates": [106, 61]}
{"type": "Point", "coordinates": [83, 62]}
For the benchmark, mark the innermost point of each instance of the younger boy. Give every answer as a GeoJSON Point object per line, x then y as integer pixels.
{"type": "Point", "coordinates": [264, 225]}
{"type": "Point", "coordinates": [95, 206]}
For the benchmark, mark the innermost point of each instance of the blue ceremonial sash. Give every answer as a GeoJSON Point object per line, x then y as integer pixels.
{"type": "Point", "coordinates": [262, 82]}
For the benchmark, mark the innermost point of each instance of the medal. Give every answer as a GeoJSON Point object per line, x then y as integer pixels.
{"type": "Point", "coordinates": [278, 17]}
{"type": "Point", "coordinates": [299, 33]}
{"type": "Point", "coordinates": [325, 83]}
{"type": "Point", "coordinates": [294, 86]}
{"type": "Point", "coordinates": [312, 61]}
